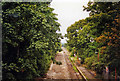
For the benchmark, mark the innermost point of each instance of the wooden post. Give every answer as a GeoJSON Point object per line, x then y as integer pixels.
{"type": "Point", "coordinates": [107, 73]}
{"type": "Point", "coordinates": [115, 75]}
{"type": "Point", "coordinates": [98, 54]}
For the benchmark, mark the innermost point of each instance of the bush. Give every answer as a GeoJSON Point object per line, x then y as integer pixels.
{"type": "Point", "coordinates": [98, 67]}
{"type": "Point", "coordinates": [88, 62]}
{"type": "Point", "coordinates": [69, 48]}
{"type": "Point", "coordinates": [9, 76]}
{"type": "Point", "coordinates": [59, 63]}
{"type": "Point", "coordinates": [60, 50]}
{"type": "Point", "coordinates": [54, 61]}
{"type": "Point", "coordinates": [72, 54]}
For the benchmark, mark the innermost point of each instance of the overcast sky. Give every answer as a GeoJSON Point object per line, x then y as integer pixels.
{"type": "Point", "coordinates": [68, 12]}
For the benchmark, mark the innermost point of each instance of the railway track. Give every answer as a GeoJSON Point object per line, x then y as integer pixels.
{"type": "Point", "coordinates": [66, 71]}
{"type": "Point", "coordinates": [79, 76]}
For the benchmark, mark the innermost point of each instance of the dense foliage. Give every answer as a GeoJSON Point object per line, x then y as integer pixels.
{"type": "Point", "coordinates": [29, 41]}
{"type": "Point", "coordinates": [96, 39]}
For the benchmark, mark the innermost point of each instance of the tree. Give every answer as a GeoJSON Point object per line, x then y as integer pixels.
{"type": "Point", "coordinates": [30, 40]}
{"type": "Point", "coordinates": [100, 33]}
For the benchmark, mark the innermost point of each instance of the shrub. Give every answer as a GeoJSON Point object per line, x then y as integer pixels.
{"type": "Point", "coordinates": [98, 67]}
{"type": "Point", "coordinates": [54, 61]}
{"type": "Point", "coordinates": [90, 61]}
{"type": "Point", "coordinates": [59, 63]}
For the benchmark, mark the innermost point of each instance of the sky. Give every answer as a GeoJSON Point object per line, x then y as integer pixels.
{"type": "Point", "coordinates": [68, 12]}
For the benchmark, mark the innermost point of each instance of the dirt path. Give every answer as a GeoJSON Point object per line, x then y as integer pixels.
{"type": "Point", "coordinates": [64, 71]}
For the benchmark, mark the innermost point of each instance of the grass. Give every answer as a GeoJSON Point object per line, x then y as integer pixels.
{"type": "Point", "coordinates": [73, 65]}
{"type": "Point", "coordinates": [73, 59]}
{"type": "Point", "coordinates": [75, 68]}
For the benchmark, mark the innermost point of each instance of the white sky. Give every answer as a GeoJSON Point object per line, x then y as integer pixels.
{"type": "Point", "coordinates": [68, 12]}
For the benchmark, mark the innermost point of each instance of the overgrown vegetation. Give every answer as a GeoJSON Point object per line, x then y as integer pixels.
{"type": "Point", "coordinates": [29, 39]}
{"type": "Point", "coordinates": [96, 39]}
{"type": "Point", "coordinates": [59, 63]}
{"type": "Point", "coordinates": [74, 67]}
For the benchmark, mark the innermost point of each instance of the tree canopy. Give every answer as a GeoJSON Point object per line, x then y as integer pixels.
{"type": "Point", "coordinates": [30, 40]}
{"type": "Point", "coordinates": [99, 33]}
